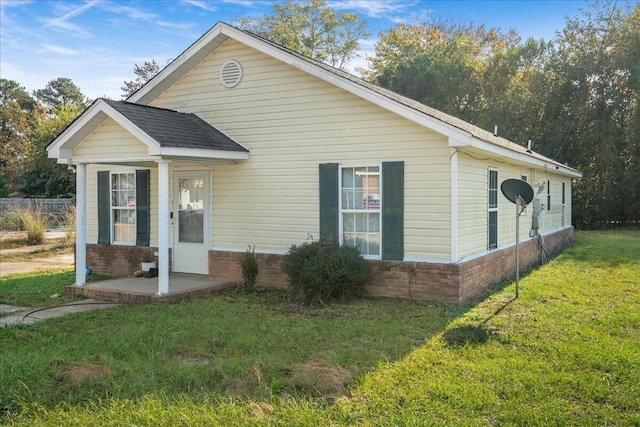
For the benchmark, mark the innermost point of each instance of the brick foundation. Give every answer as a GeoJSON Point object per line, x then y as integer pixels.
{"type": "Point", "coordinates": [118, 260]}
{"type": "Point", "coordinates": [454, 283]}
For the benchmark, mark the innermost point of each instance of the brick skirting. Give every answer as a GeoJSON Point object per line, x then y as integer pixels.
{"type": "Point", "coordinates": [118, 260]}
{"type": "Point", "coordinates": [454, 283]}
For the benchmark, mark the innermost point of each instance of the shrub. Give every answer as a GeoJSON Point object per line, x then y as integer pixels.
{"type": "Point", "coordinates": [250, 269]}
{"type": "Point", "coordinates": [31, 219]}
{"type": "Point", "coordinates": [69, 219]}
{"type": "Point", "coordinates": [322, 272]}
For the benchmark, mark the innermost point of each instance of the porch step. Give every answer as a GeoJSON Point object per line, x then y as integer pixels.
{"type": "Point", "coordinates": [142, 290]}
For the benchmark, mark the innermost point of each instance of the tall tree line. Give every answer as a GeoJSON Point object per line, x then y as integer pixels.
{"type": "Point", "coordinates": [577, 97]}
{"type": "Point", "coordinates": [27, 125]}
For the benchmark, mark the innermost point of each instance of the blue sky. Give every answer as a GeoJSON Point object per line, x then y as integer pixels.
{"type": "Point", "coordinates": [97, 42]}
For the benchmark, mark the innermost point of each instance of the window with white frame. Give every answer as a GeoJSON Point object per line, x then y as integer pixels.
{"type": "Point", "coordinates": [563, 203]}
{"type": "Point", "coordinates": [360, 207]}
{"type": "Point", "coordinates": [524, 178]}
{"type": "Point", "coordinates": [123, 207]}
{"type": "Point", "coordinates": [493, 209]}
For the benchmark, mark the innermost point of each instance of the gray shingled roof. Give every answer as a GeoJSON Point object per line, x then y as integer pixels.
{"type": "Point", "coordinates": [475, 131]}
{"type": "Point", "coordinates": [174, 129]}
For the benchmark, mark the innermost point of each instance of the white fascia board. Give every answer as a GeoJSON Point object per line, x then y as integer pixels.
{"type": "Point", "coordinates": [347, 85]}
{"type": "Point", "coordinates": [203, 153]}
{"type": "Point", "coordinates": [115, 160]}
{"type": "Point", "coordinates": [509, 154]}
{"type": "Point", "coordinates": [60, 149]}
{"type": "Point", "coordinates": [351, 87]}
{"type": "Point", "coordinates": [56, 149]}
{"type": "Point", "coordinates": [177, 63]}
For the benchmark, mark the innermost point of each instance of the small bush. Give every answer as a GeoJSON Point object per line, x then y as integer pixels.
{"type": "Point", "coordinates": [33, 220]}
{"type": "Point", "coordinates": [250, 269]}
{"type": "Point", "coordinates": [69, 218]}
{"type": "Point", "coordinates": [322, 272]}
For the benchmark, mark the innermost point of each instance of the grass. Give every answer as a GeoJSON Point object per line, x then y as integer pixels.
{"type": "Point", "coordinates": [567, 352]}
{"type": "Point", "coordinates": [41, 289]}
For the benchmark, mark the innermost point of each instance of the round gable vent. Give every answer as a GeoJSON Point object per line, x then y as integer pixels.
{"type": "Point", "coordinates": [230, 73]}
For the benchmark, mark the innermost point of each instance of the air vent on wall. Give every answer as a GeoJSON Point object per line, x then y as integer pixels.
{"type": "Point", "coordinates": [230, 73]}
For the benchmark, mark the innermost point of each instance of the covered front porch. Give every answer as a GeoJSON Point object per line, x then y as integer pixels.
{"type": "Point", "coordinates": [145, 290]}
{"type": "Point", "coordinates": [143, 179]}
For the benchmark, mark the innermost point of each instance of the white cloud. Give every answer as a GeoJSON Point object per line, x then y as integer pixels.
{"type": "Point", "coordinates": [62, 22]}
{"type": "Point", "coordinates": [200, 4]}
{"type": "Point", "coordinates": [31, 79]}
{"type": "Point", "coordinates": [58, 50]}
{"type": "Point", "coordinates": [127, 11]}
{"type": "Point", "coordinates": [374, 8]}
{"type": "Point", "coordinates": [176, 26]}
{"type": "Point", "coordinates": [248, 3]}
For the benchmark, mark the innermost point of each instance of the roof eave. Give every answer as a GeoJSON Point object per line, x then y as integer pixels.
{"type": "Point", "coordinates": [92, 118]}
{"type": "Point", "coordinates": [154, 87]}
{"type": "Point", "coordinates": [221, 32]}
{"type": "Point", "coordinates": [547, 164]}
{"type": "Point", "coordinates": [202, 153]}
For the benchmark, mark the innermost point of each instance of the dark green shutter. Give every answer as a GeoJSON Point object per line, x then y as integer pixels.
{"type": "Point", "coordinates": [104, 208]}
{"type": "Point", "coordinates": [329, 215]}
{"type": "Point", "coordinates": [142, 208]}
{"type": "Point", "coordinates": [393, 210]}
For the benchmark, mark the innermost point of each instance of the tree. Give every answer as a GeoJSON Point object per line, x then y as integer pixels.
{"type": "Point", "coordinates": [144, 73]}
{"type": "Point", "coordinates": [592, 119]}
{"type": "Point", "coordinates": [442, 65]}
{"type": "Point", "coordinates": [60, 91]}
{"type": "Point", "coordinates": [311, 28]}
{"type": "Point", "coordinates": [43, 177]}
{"type": "Point", "coordinates": [577, 97]}
{"type": "Point", "coordinates": [16, 107]}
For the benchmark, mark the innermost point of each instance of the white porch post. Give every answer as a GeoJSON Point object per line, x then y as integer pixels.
{"type": "Point", "coordinates": [163, 227]}
{"type": "Point", "coordinates": [81, 224]}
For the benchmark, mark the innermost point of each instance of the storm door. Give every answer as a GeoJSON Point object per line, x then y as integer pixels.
{"type": "Point", "coordinates": [191, 222]}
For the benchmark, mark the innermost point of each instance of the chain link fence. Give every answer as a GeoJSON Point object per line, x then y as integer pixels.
{"type": "Point", "coordinates": [55, 209]}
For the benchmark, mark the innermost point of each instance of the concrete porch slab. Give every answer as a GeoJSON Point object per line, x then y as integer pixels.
{"type": "Point", "coordinates": [142, 289]}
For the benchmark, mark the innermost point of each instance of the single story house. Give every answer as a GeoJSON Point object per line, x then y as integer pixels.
{"type": "Point", "coordinates": [240, 142]}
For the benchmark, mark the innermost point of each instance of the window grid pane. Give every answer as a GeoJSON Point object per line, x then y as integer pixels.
{"type": "Point", "coordinates": [492, 222]}
{"type": "Point", "coordinates": [361, 208]}
{"type": "Point", "coordinates": [123, 204]}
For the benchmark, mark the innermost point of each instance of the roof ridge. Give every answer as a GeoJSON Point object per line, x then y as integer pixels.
{"type": "Point", "coordinates": [141, 105]}
{"type": "Point", "coordinates": [461, 124]}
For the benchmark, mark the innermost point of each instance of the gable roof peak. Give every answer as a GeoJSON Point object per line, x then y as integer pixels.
{"type": "Point", "coordinates": [459, 132]}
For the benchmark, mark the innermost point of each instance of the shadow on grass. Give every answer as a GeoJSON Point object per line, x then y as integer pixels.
{"type": "Point", "coordinates": [228, 344]}
{"type": "Point", "coordinates": [465, 335]}
{"type": "Point", "coordinates": [477, 334]}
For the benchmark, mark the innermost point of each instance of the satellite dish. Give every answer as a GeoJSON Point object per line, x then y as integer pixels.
{"type": "Point", "coordinates": [519, 192]}
{"type": "Point", "coordinates": [512, 188]}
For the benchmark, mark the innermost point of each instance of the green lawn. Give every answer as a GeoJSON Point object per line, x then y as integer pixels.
{"type": "Point", "coordinates": [40, 289]}
{"type": "Point", "coordinates": [567, 352]}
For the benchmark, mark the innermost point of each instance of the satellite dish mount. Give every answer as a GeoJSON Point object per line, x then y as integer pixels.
{"type": "Point", "coordinates": [521, 194]}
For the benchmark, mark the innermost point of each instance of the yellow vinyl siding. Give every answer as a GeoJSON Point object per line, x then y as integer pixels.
{"type": "Point", "coordinates": [110, 141]}
{"type": "Point", "coordinates": [291, 122]}
{"type": "Point", "coordinates": [473, 204]}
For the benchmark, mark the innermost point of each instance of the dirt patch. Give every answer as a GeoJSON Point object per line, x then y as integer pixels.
{"type": "Point", "coordinates": [42, 264]}
{"type": "Point", "coordinates": [320, 378]}
{"type": "Point", "coordinates": [81, 372]}
{"type": "Point", "coordinates": [260, 409]}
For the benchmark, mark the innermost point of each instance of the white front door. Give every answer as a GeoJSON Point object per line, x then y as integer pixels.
{"type": "Point", "coordinates": [191, 222]}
